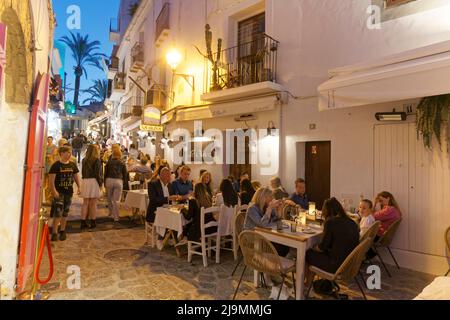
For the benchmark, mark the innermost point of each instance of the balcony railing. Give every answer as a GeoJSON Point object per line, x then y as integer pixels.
{"type": "Point", "coordinates": [114, 63]}
{"type": "Point", "coordinates": [133, 105]}
{"type": "Point", "coordinates": [119, 81]}
{"type": "Point", "coordinates": [247, 63]}
{"type": "Point", "coordinates": [162, 22]}
{"type": "Point", "coordinates": [137, 57]}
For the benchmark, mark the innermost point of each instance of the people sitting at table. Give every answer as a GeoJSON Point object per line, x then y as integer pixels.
{"type": "Point", "coordinates": [116, 179]}
{"type": "Point", "coordinates": [237, 183]}
{"type": "Point", "coordinates": [341, 236]}
{"type": "Point", "coordinates": [247, 192]}
{"type": "Point", "coordinates": [143, 172]}
{"type": "Point", "coordinates": [227, 196]}
{"type": "Point", "coordinates": [200, 199]}
{"type": "Point", "coordinates": [183, 186]}
{"type": "Point", "coordinates": [160, 192]}
{"type": "Point", "coordinates": [366, 213]}
{"type": "Point", "coordinates": [388, 212]}
{"type": "Point", "coordinates": [265, 212]}
{"type": "Point", "coordinates": [299, 197]}
{"type": "Point", "coordinates": [256, 185]}
{"type": "Point", "coordinates": [206, 179]}
{"type": "Point", "coordinates": [279, 192]}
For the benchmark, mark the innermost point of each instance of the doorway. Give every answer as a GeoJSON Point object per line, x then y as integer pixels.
{"type": "Point", "coordinates": [237, 169]}
{"type": "Point", "coordinates": [318, 171]}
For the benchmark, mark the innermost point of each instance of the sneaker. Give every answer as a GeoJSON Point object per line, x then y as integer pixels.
{"type": "Point", "coordinates": [93, 224]}
{"type": "Point", "coordinates": [62, 236]}
{"type": "Point", "coordinates": [54, 237]}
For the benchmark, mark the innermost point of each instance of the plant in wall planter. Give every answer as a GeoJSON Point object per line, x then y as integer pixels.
{"type": "Point", "coordinates": [433, 120]}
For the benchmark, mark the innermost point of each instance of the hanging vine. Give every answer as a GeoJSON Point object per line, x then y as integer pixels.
{"type": "Point", "coordinates": [433, 119]}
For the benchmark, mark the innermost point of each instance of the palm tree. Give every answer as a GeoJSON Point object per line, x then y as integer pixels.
{"type": "Point", "coordinates": [98, 92]}
{"type": "Point", "coordinates": [85, 53]}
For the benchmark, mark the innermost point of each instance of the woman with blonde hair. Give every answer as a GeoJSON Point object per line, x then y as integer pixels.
{"type": "Point", "coordinates": [115, 176]}
{"type": "Point", "coordinates": [92, 175]}
{"type": "Point", "coordinates": [206, 180]}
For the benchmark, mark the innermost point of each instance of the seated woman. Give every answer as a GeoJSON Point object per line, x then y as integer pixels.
{"type": "Point", "coordinates": [227, 195]}
{"type": "Point", "coordinates": [279, 192]}
{"type": "Point", "coordinates": [264, 212]}
{"type": "Point", "coordinates": [247, 191]}
{"type": "Point", "coordinates": [389, 211]}
{"type": "Point", "coordinates": [206, 180]}
{"type": "Point", "coordinates": [200, 199]}
{"type": "Point", "coordinates": [340, 237]}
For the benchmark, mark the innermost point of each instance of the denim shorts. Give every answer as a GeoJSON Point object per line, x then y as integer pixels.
{"type": "Point", "coordinates": [61, 206]}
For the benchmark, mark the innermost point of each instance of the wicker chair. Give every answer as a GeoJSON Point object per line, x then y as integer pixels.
{"type": "Point", "coordinates": [238, 228]}
{"type": "Point", "coordinates": [447, 240]}
{"type": "Point", "coordinates": [371, 232]}
{"type": "Point", "coordinates": [260, 255]}
{"type": "Point", "coordinates": [348, 270]}
{"type": "Point", "coordinates": [287, 209]}
{"type": "Point", "coordinates": [385, 241]}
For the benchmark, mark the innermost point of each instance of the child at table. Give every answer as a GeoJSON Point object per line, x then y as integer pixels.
{"type": "Point", "coordinates": [367, 218]}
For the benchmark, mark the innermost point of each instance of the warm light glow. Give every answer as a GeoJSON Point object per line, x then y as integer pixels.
{"type": "Point", "coordinates": [173, 58]}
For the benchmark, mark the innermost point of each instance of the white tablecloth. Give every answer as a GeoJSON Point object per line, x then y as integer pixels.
{"type": "Point", "coordinates": [167, 218]}
{"type": "Point", "coordinates": [137, 199]}
{"type": "Point", "coordinates": [439, 289]}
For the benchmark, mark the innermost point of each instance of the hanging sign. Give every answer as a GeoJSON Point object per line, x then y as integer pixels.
{"type": "Point", "coordinates": [151, 116]}
{"type": "Point", "coordinates": [151, 128]}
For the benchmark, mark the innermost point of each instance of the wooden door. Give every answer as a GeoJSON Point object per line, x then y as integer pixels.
{"type": "Point", "coordinates": [318, 171]}
{"type": "Point", "coordinates": [236, 169]}
{"type": "Point", "coordinates": [33, 182]}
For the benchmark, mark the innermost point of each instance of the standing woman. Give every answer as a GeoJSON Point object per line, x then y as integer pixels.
{"type": "Point", "coordinates": [92, 174]}
{"type": "Point", "coordinates": [115, 175]}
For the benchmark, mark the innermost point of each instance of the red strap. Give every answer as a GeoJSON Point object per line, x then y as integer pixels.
{"type": "Point", "coordinates": [45, 238]}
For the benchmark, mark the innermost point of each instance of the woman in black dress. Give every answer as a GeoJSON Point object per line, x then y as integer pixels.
{"type": "Point", "coordinates": [247, 192]}
{"type": "Point", "coordinates": [340, 237]}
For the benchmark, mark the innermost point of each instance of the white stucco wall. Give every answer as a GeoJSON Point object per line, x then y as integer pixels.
{"type": "Point", "coordinates": [14, 121]}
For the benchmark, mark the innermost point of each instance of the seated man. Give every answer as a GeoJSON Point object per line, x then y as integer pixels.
{"type": "Point", "coordinates": [142, 169]}
{"type": "Point", "coordinates": [160, 192]}
{"type": "Point", "coordinates": [183, 186]}
{"type": "Point", "coordinates": [299, 197]}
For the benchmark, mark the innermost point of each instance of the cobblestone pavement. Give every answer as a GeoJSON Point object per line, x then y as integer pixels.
{"type": "Point", "coordinates": [116, 265]}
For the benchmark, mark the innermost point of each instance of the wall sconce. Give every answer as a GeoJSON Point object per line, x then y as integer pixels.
{"type": "Point", "coordinates": [173, 59]}
{"type": "Point", "coordinates": [271, 130]}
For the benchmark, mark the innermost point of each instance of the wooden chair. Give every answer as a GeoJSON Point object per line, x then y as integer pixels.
{"type": "Point", "coordinates": [447, 240]}
{"type": "Point", "coordinates": [260, 255]}
{"type": "Point", "coordinates": [371, 232]}
{"type": "Point", "coordinates": [205, 244]}
{"type": "Point", "coordinates": [348, 270]}
{"type": "Point", "coordinates": [385, 242]}
{"type": "Point", "coordinates": [239, 222]}
{"type": "Point", "coordinates": [225, 230]}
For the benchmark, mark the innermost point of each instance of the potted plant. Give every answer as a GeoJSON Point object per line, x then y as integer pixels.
{"type": "Point", "coordinates": [433, 120]}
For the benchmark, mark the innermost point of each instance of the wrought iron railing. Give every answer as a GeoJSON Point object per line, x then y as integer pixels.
{"type": "Point", "coordinates": [133, 105]}
{"type": "Point", "coordinates": [247, 63]}
{"type": "Point", "coordinates": [114, 63]}
{"type": "Point", "coordinates": [119, 81]}
{"type": "Point", "coordinates": [137, 53]}
{"type": "Point", "coordinates": [163, 20]}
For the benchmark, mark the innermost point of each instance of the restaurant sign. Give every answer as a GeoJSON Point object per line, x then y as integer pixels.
{"type": "Point", "coordinates": [152, 128]}
{"type": "Point", "coordinates": [151, 116]}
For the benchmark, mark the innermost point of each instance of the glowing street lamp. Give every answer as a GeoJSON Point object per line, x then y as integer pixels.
{"type": "Point", "coordinates": [173, 58]}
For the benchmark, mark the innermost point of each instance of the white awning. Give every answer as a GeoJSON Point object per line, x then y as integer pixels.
{"type": "Point", "coordinates": [228, 109]}
{"type": "Point", "coordinates": [413, 74]}
{"type": "Point", "coordinates": [98, 119]}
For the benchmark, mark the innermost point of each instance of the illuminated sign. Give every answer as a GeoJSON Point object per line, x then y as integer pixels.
{"type": "Point", "coordinates": [151, 116]}
{"type": "Point", "coordinates": [152, 128]}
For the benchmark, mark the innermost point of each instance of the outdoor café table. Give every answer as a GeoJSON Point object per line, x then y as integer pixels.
{"type": "Point", "coordinates": [170, 219]}
{"type": "Point", "coordinates": [137, 199]}
{"type": "Point", "coordinates": [297, 240]}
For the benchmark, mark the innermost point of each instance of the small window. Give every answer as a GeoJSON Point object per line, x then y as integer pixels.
{"type": "Point", "coordinates": [252, 28]}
